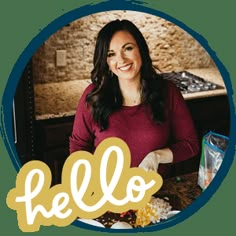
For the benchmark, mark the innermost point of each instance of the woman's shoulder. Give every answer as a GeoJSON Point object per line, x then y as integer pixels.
{"type": "Point", "coordinates": [167, 87]}
{"type": "Point", "coordinates": [86, 91]}
{"type": "Point", "coordinates": [174, 97]}
{"type": "Point", "coordinates": [89, 88]}
{"type": "Point", "coordinates": [172, 88]}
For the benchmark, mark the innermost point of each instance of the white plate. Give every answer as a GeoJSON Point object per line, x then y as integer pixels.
{"type": "Point", "coordinates": [92, 222]}
{"type": "Point", "coordinates": [172, 213]}
{"type": "Point", "coordinates": [121, 225]}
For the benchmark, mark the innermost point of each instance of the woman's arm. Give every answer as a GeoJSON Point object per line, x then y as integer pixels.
{"type": "Point", "coordinates": [183, 141]}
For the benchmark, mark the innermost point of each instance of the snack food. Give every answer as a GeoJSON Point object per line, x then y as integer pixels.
{"type": "Point", "coordinates": [153, 212]}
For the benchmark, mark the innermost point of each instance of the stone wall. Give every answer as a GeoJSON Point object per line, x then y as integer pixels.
{"type": "Point", "coordinates": [171, 48]}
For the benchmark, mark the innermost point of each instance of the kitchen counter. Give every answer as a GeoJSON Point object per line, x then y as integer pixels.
{"type": "Point", "coordinates": [181, 190]}
{"type": "Point", "coordinates": [53, 100]}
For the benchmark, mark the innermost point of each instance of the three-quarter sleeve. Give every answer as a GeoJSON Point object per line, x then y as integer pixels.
{"type": "Point", "coordinates": [185, 143]}
{"type": "Point", "coordinates": [82, 134]}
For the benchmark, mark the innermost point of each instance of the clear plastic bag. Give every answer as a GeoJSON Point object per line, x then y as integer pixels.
{"type": "Point", "coordinates": [213, 150]}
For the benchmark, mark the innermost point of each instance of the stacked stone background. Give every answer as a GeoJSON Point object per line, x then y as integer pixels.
{"type": "Point", "coordinates": [171, 47]}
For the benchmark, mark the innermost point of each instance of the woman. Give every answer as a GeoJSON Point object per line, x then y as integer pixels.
{"type": "Point", "coordinates": [129, 100]}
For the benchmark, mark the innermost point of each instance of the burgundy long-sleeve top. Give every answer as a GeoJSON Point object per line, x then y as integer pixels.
{"type": "Point", "coordinates": [134, 125]}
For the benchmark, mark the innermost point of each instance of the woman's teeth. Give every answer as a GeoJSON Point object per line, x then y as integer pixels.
{"type": "Point", "coordinates": [124, 68]}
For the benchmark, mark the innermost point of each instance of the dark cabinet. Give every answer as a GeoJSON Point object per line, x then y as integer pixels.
{"type": "Point", "coordinates": [52, 143]}
{"type": "Point", "coordinates": [212, 113]}
{"type": "Point", "coordinates": [23, 117]}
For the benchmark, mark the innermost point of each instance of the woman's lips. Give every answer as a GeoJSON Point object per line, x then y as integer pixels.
{"type": "Point", "coordinates": [125, 67]}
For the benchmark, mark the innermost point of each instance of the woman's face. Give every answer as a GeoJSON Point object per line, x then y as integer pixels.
{"type": "Point", "coordinates": [123, 56]}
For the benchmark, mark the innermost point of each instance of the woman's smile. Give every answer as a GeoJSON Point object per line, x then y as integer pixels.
{"type": "Point", "coordinates": [125, 67]}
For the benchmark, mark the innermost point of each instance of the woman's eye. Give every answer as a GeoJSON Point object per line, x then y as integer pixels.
{"type": "Point", "coordinates": [129, 48]}
{"type": "Point", "coordinates": [110, 54]}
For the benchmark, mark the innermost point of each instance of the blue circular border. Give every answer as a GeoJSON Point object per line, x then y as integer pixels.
{"type": "Point", "coordinates": [7, 100]}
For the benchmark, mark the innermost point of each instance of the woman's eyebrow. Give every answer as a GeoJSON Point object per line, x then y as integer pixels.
{"type": "Point", "coordinates": [127, 44]}
{"type": "Point", "coordinates": [111, 50]}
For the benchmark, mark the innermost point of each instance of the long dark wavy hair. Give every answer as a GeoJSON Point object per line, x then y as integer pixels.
{"type": "Point", "coordinates": [106, 96]}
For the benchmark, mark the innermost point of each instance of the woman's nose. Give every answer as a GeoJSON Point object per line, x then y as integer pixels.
{"type": "Point", "coordinates": [121, 57]}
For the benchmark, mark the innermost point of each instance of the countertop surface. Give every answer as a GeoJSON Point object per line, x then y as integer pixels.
{"type": "Point", "coordinates": [54, 100]}
{"type": "Point", "coordinates": [181, 190]}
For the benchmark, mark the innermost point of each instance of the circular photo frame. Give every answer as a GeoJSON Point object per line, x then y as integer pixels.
{"type": "Point", "coordinates": [55, 54]}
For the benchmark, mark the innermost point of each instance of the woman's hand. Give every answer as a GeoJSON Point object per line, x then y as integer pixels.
{"type": "Point", "coordinates": [150, 162]}
{"type": "Point", "coordinates": [153, 159]}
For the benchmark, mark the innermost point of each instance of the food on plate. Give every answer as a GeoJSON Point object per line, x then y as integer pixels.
{"type": "Point", "coordinates": [153, 212]}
